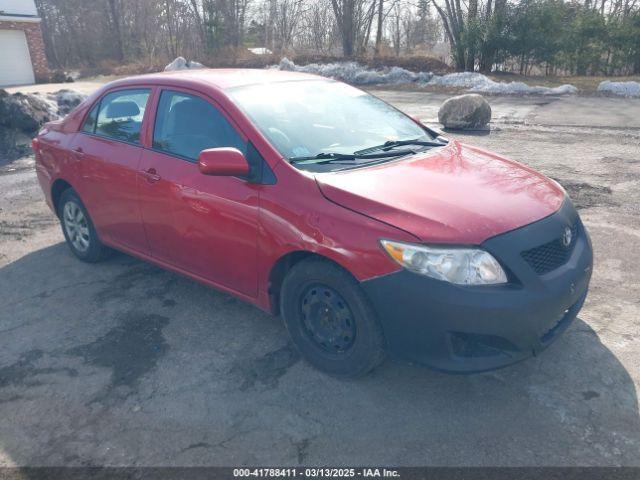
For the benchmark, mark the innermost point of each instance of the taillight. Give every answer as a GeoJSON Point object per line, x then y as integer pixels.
{"type": "Point", "coordinates": [35, 146]}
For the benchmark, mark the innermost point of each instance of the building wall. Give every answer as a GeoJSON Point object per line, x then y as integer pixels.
{"type": "Point", "coordinates": [36, 45]}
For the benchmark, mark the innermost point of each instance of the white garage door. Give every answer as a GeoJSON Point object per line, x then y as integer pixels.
{"type": "Point", "coordinates": [15, 61]}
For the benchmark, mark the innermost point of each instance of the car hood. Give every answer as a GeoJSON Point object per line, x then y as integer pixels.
{"type": "Point", "coordinates": [455, 194]}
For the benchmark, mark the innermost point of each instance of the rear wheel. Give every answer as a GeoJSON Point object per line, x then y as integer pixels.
{"type": "Point", "coordinates": [330, 319]}
{"type": "Point", "coordinates": [78, 228]}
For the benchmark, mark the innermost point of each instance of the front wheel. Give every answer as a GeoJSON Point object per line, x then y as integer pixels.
{"type": "Point", "coordinates": [78, 229]}
{"type": "Point", "coordinates": [330, 319]}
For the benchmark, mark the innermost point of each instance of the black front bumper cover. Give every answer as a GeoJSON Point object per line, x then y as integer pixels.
{"type": "Point", "coordinates": [475, 328]}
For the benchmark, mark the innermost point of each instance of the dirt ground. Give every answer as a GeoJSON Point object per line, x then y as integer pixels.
{"type": "Point", "coordinates": [122, 363]}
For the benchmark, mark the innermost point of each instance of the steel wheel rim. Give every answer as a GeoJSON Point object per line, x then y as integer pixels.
{"type": "Point", "coordinates": [327, 320]}
{"type": "Point", "coordinates": [76, 226]}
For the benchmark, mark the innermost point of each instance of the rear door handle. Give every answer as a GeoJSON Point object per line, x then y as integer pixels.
{"type": "Point", "coordinates": [78, 152]}
{"type": "Point", "coordinates": [151, 175]}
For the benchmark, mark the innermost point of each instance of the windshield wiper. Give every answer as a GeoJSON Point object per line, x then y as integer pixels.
{"type": "Point", "coordinates": [332, 157]}
{"type": "Point", "coordinates": [386, 146]}
{"type": "Point", "coordinates": [323, 156]}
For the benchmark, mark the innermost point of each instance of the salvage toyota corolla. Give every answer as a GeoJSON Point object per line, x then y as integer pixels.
{"type": "Point", "coordinates": [367, 231]}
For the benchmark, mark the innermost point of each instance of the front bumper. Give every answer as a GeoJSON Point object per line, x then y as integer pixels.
{"type": "Point", "coordinates": [469, 329]}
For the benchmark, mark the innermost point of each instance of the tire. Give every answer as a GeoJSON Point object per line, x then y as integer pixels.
{"type": "Point", "coordinates": [78, 229]}
{"type": "Point", "coordinates": [330, 320]}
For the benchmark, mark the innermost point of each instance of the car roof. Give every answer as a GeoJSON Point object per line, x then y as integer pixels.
{"type": "Point", "coordinates": [221, 78]}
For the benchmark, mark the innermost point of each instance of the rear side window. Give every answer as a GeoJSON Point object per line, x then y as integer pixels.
{"type": "Point", "coordinates": [121, 113]}
{"type": "Point", "coordinates": [186, 125]}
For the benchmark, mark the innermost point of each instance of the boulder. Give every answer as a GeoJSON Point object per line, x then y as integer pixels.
{"type": "Point", "coordinates": [193, 64]}
{"type": "Point", "coordinates": [465, 112]}
{"type": "Point", "coordinates": [181, 63]}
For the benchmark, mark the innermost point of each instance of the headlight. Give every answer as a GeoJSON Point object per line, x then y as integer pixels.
{"type": "Point", "coordinates": [463, 266]}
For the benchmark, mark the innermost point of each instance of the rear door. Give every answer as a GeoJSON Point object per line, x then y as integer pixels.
{"type": "Point", "coordinates": [108, 151]}
{"type": "Point", "coordinates": [206, 225]}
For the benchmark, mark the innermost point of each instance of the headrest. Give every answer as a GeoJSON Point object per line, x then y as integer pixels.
{"type": "Point", "coordinates": [122, 109]}
{"type": "Point", "coordinates": [191, 116]}
{"type": "Point", "coordinates": [189, 107]}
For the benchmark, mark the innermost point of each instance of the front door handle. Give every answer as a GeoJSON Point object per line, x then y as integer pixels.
{"type": "Point", "coordinates": [151, 175]}
{"type": "Point", "coordinates": [78, 152]}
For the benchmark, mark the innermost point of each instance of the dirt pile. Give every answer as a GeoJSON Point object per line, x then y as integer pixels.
{"type": "Point", "coordinates": [22, 115]}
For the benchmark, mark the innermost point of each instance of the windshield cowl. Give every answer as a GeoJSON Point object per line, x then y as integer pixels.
{"type": "Point", "coordinates": [331, 157]}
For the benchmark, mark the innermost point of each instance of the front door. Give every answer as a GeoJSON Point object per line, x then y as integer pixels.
{"type": "Point", "coordinates": [108, 152]}
{"type": "Point", "coordinates": [205, 225]}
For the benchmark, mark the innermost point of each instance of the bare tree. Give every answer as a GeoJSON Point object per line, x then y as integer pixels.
{"type": "Point", "coordinates": [453, 21]}
{"type": "Point", "coordinates": [602, 35]}
{"type": "Point", "coordinates": [319, 27]}
{"type": "Point", "coordinates": [114, 15]}
{"type": "Point", "coordinates": [345, 12]}
{"type": "Point", "coordinates": [379, 26]}
{"type": "Point", "coordinates": [287, 16]}
{"type": "Point", "coordinates": [354, 19]}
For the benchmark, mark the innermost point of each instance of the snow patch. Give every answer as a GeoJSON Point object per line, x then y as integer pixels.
{"type": "Point", "coordinates": [181, 63]}
{"type": "Point", "coordinates": [624, 89]}
{"type": "Point", "coordinates": [50, 103]}
{"type": "Point", "coordinates": [477, 82]}
{"type": "Point", "coordinates": [460, 80]}
{"type": "Point", "coordinates": [356, 74]}
{"type": "Point", "coordinates": [67, 100]}
{"type": "Point", "coordinates": [260, 51]}
{"type": "Point", "coordinates": [60, 103]}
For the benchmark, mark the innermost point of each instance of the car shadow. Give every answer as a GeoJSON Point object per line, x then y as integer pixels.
{"type": "Point", "coordinates": [123, 363]}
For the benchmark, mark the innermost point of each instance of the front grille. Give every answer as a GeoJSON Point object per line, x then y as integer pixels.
{"type": "Point", "coordinates": [546, 258]}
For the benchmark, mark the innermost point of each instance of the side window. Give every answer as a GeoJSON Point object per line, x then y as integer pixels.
{"type": "Point", "coordinates": [186, 125]}
{"type": "Point", "coordinates": [121, 114]}
{"type": "Point", "coordinates": [89, 125]}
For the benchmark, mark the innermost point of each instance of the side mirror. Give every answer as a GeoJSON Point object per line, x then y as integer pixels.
{"type": "Point", "coordinates": [224, 161]}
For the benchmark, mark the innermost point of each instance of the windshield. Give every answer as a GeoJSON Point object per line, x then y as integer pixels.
{"type": "Point", "coordinates": [314, 117]}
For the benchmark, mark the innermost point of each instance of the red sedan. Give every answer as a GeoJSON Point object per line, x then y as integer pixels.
{"type": "Point", "coordinates": [368, 232]}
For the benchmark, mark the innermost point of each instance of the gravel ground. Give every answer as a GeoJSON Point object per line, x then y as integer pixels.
{"type": "Point", "coordinates": [122, 363]}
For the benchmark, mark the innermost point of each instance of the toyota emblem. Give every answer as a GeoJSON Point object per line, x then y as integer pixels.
{"type": "Point", "coordinates": [567, 236]}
